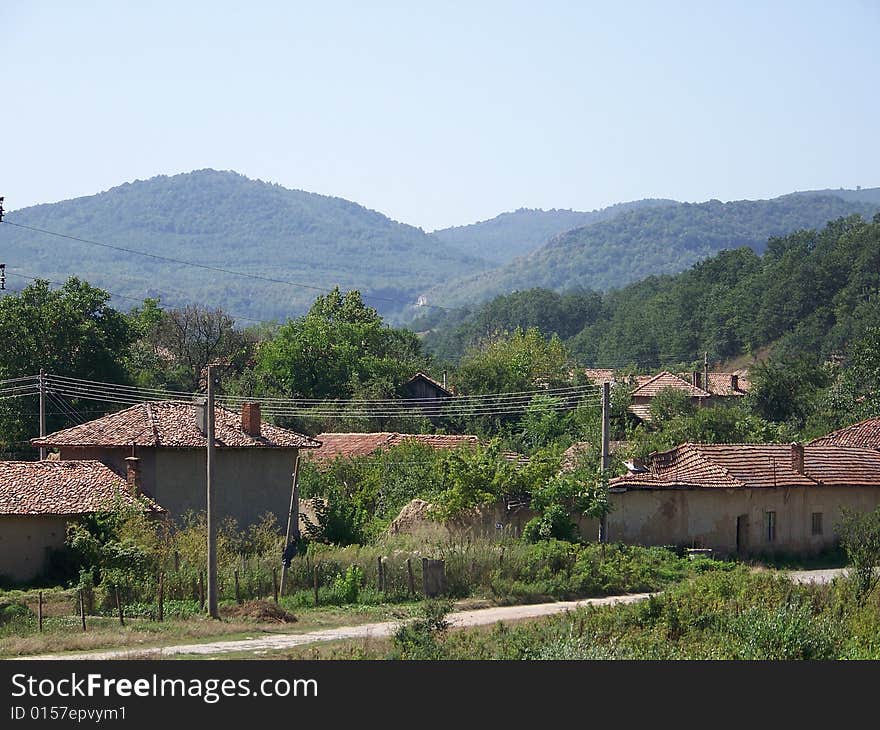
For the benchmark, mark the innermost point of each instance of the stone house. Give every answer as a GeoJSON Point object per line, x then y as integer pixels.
{"type": "Point", "coordinates": [743, 498]}
{"type": "Point", "coordinates": [39, 498]}
{"type": "Point", "coordinates": [161, 447]}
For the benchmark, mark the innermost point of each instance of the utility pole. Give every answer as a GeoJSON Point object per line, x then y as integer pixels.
{"type": "Point", "coordinates": [292, 532]}
{"type": "Point", "coordinates": [606, 451]}
{"type": "Point", "coordinates": [42, 384]}
{"type": "Point", "coordinates": [212, 528]}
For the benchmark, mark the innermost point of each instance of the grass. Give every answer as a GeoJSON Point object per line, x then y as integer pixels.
{"type": "Point", "coordinates": [63, 634]}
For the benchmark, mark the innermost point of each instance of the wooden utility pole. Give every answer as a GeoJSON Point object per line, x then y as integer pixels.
{"type": "Point", "coordinates": [292, 532]}
{"type": "Point", "coordinates": [606, 448]}
{"type": "Point", "coordinates": [42, 412]}
{"type": "Point", "coordinates": [209, 497]}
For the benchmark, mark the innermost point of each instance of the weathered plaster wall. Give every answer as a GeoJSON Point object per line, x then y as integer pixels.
{"type": "Point", "coordinates": [25, 541]}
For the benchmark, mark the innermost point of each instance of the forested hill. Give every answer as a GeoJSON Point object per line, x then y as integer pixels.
{"type": "Point", "coordinates": [506, 236]}
{"type": "Point", "coordinates": [226, 220]}
{"type": "Point", "coordinates": [664, 240]}
{"type": "Point", "coordinates": [810, 294]}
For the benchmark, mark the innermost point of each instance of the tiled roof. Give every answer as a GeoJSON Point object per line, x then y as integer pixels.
{"type": "Point", "coordinates": [658, 382]}
{"type": "Point", "coordinates": [600, 375]}
{"type": "Point", "coordinates": [349, 445]}
{"type": "Point", "coordinates": [171, 424]}
{"type": "Point", "coordinates": [61, 488]}
{"type": "Point", "coordinates": [754, 465]}
{"type": "Point", "coordinates": [865, 434]}
{"type": "Point", "coordinates": [722, 384]}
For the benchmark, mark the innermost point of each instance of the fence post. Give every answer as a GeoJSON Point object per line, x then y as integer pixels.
{"type": "Point", "coordinates": [380, 578]}
{"type": "Point", "coordinates": [119, 606]}
{"type": "Point", "coordinates": [275, 584]}
{"type": "Point", "coordinates": [201, 590]}
{"type": "Point", "coordinates": [237, 592]}
{"type": "Point", "coordinates": [40, 609]}
{"type": "Point", "coordinates": [411, 578]}
{"type": "Point", "coordinates": [161, 596]}
{"type": "Point", "coordinates": [315, 574]}
{"type": "Point", "coordinates": [425, 576]}
{"type": "Point", "coordinates": [82, 609]}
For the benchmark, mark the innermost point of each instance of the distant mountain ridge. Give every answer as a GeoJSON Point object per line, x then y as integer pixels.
{"type": "Point", "coordinates": [509, 235]}
{"type": "Point", "coordinates": [227, 220]}
{"type": "Point", "coordinates": [655, 240]}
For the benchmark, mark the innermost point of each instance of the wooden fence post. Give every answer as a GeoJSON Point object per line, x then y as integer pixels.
{"type": "Point", "coordinates": [201, 590]}
{"type": "Point", "coordinates": [161, 596]}
{"type": "Point", "coordinates": [82, 609]}
{"type": "Point", "coordinates": [40, 609]}
{"type": "Point", "coordinates": [410, 576]}
{"type": "Point", "coordinates": [425, 576]}
{"type": "Point", "coordinates": [275, 584]}
{"type": "Point", "coordinates": [315, 573]}
{"type": "Point", "coordinates": [380, 578]}
{"type": "Point", "coordinates": [119, 606]}
{"type": "Point", "coordinates": [237, 592]}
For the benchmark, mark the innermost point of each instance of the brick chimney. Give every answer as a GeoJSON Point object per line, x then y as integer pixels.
{"type": "Point", "coordinates": [250, 419]}
{"type": "Point", "coordinates": [734, 382]}
{"type": "Point", "coordinates": [133, 475]}
{"type": "Point", "coordinates": [797, 458]}
{"type": "Point", "coordinates": [697, 379]}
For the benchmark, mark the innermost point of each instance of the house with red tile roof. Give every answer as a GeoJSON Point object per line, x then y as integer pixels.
{"type": "Point", "coordinates": [161, 447]}
{"type": "Point", "coordinates": [743, 498]}
{"type": "Point", "coordinates": [39, 498]}
{"type": "Point", "coordinates": [865, 434]}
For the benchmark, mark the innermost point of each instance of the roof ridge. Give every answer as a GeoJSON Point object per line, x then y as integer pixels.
{"type": "Point", "coordinates": [717, 467]}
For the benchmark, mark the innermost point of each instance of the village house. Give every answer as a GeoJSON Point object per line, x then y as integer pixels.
{"type": "Point", "coordinates": [743, 498]}
{"type": "Point", "coordinates": [703, 389]}
{"type": "Point", "coordinates": [427, 394]}
{"type": "Point", "coordinates": [39, 498]}
{"type": "Point", "coordinates": [161, 446]}
{"type": "Point", "coordinates": [352, 445]}
{"type": "Point", "coordinates": [865, 434]}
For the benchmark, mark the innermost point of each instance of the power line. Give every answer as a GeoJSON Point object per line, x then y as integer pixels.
{"type": "Point", "coordinates": [219, 269]}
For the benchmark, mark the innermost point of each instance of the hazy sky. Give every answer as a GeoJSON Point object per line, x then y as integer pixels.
{"type": "Point", "coordinates": [443, 113]}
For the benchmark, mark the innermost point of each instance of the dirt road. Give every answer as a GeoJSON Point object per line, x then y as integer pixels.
{"type": "Point", "coordinates": [478, 617]}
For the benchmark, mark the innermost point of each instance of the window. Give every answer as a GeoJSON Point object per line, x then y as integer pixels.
{"type": "Point", "coordinates": [817, 523]}
{"type": "Point", "coordinates": [770, 526]}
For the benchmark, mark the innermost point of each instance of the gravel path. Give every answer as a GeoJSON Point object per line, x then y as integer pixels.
{"type": "Point", "coordinates": [477, 617]}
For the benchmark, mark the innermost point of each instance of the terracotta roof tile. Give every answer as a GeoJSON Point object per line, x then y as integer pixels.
{"type": "Point", "coordinates": [172, 424]}
{"type": "Point", "coordinates": [350, 445]}
{"type": "Point", "coordinates": [663, 380]}
{"type": "Point", "coordinates": [755, 465]}
{"type": "Point", "coordinates": [865, 434]}
{"type": "Point", "coordinates": [61, 488]}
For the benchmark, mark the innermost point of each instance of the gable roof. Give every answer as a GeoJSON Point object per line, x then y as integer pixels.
{"type": "Point", "coordinates": [63, 488]}
{"type": "Point", "coordinates": [732, 466]}
{"type": "Point", "coordinates": [865, 434]}
{"type": "Point", "coordinates": [350, 445]}
{"type": "Point", "coordinates": [431, 381]}
{"type": "Point", "coordinates": [172, 424]}
{"type": "Point", "coordinates": [722, 384]}
{"type": "Point", "coordinates": [663, 380]}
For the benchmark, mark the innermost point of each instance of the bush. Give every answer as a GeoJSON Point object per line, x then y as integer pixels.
{"type": "Point", "coordinates": [347, 586]}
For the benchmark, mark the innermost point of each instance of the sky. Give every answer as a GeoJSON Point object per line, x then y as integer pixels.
{"type": "Point", "coordinates": [441, 114]}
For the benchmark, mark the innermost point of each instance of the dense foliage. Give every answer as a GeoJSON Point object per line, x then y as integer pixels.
{"type": "Point", "coordinates": [226, 220]}
{"type": "Point", "coordinates": [513, 234]}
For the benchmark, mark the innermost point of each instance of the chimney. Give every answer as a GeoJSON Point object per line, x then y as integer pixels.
{"type": "Point", "coordinates": [133, 475]}
{"type": "Point", "coordinates": [250, 419]}
{"type": "Point", "coordinates": [797, 458]}
{"type": "Point", "coordinates": [201, 413]}
{"type": "Point", "coordinates": [734, 382]}
{"type": "Point", "coordinates": [697, 379]}
{"type": "Point", "coordinates": [444, 377]}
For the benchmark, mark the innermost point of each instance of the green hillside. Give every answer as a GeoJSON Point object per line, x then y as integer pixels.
{"type": "Point", "coordinates": [226, 220]}
{"type": "Point", "coordinates": [811, 293]}
{"type": "Point", "coordinates": [640, 243]}
{"type": "Point", "coordinates": [509, 235]}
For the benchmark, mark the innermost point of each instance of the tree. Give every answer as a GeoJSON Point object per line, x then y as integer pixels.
{"type": "Point", "coordinates": [70, 331]}
{"type": "Point", "coordinates": [177, 344]}
{"type": "Point", "coordinates": [524, 360]}
{"type": "Point", "coordinates": [340, 349]}
{"type": "Point", "coordinates": [860, 539]}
